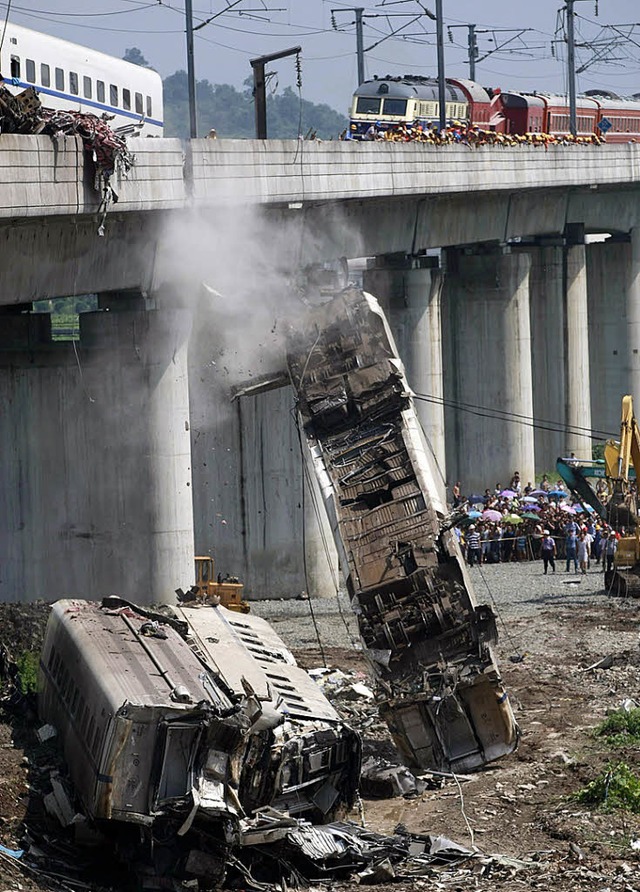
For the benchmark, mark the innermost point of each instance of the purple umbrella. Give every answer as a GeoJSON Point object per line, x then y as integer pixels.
{"type": "Point", "coordinates": [493, 516]}
{"type": "Point", "coordinates": [508, 494]}
{"type": "Point", "coordinates": [538, 492]}
{"type": "Point", "coordinates": [533, 508]}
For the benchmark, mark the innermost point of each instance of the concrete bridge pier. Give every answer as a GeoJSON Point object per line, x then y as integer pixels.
{"type": "Point", "coordinates": [632, 306]}
{"type": "Point", "coordinates": [547, 353]}
{"type": "Point", "coordinates": [251, 512]}
{"type": "Point", "coordinates": [487, 367]}
{"type": "Point", "coordinates": [95, 437]}
{"type": "Point", "coordinates": [610, 335]}
{"type": "Point", "coordinates": [409, 289]}
{"type": "Point", "coordinates": [578, 384]}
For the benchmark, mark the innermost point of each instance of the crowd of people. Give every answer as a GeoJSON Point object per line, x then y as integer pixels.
{"type": "Point", "coordinates": [527, 522]}
{"type": "Point", "coordinates": [463, 134]}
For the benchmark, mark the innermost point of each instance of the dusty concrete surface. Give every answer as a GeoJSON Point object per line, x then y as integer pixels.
{"type": "Point", "coordinates": [555, 628]}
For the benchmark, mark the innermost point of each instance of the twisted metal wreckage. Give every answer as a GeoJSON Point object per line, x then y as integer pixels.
{"type": "Point", "coordinates": [428, 644]}
{"type": "Point", "coordinates": [194, 728]}
{"type": "Point", "coordinates": [24, 113]}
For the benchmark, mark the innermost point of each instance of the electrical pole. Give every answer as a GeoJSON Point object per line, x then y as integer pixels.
{"type": "Point", "coordinates": [359, 44]}
{"type": "Point", "coordinates": [191, 71]}
{"type": "Point", "coordinates": [571, 68]}
{"type": "Point", "coordinates": [259, 87]}
{"type": "Point", "coordinates": [473, 52]}
{"type": "Point", "coordinates": [442, 97]}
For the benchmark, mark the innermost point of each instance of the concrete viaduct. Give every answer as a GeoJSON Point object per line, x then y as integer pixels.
{"type": "Point", "coordinates": [122, 450]}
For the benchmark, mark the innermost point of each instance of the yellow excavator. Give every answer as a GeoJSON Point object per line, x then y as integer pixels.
{"type": "Point", "coordinates": [211, 590]}
{"type": "Point", "coordinates": [620, 511]}
{"type": "Point", "coordinates": [621, 461]}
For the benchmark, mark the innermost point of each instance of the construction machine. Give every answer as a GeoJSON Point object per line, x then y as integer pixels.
{"type": "Point", "coordinates": [209, 589]}
{"type": "Point", "coordinates": [619, 509]}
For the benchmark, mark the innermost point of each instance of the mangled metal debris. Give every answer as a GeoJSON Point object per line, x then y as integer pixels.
{"type": "Point", "coordinates": [429, 645]}
{"type": "Point", "coordinates": [182, 723]}
{"type": "Point", "coordinates": [24, 113]}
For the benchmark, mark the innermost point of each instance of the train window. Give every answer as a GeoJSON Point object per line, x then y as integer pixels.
{"type": "Point", "coordinates": [100, 90]}
{"type": "Point", "coordinates": [126, 99]}
{"type": "Point", "coordinates": [15, 66]}
{"type": "Point", "coordinates": [59, 79]}
{"type": "Point", "coordinates": [367, 105]}
{"type": "Point", "coordinates": [45, 75]}
{"type": "Point", "coordinates": [149, 107]}
{"type": "Point", "coordinates": [395, 106]}
{"type": "Point", "coordinates": [30, 71]}
{"type": "Point", "coordinates": [113, 94]}
{"type": "Point", "coordinates": [86, 87]}
{"type": "Point", "coordinates": [73, 83]}
{"type": "Point", "coordinates": [139, 104]}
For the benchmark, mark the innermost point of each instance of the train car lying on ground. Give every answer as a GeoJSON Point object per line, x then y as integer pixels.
{"type": "Point", "coordinates": [176, 726]}
{"type": "Point", "coordinates": [428, 643]}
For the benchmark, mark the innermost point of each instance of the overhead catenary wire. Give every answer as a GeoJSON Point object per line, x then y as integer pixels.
{"type": "Point", "coordinates": [494, 414]}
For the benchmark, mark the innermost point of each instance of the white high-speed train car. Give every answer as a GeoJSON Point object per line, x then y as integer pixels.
{"type": "Point", "coordinates": [73, 77]}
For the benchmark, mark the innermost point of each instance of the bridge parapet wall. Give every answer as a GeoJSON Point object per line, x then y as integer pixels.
{"type": "Point", "coordinates": [40, 177]}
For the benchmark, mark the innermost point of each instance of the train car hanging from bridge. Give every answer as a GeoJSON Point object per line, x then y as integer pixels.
{"type": "Point", "coordinates": [429, 645]}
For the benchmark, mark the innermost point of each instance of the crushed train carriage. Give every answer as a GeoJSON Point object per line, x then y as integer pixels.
{"type": "Point", "coordinates": [429, 645]}
{"type": "Point", "coordinates": [178, 726]}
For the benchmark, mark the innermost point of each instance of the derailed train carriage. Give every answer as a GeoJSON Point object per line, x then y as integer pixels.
{"type": "Point", "coordinates": [428, 643]}
{"type": "Point", "coordinates": [175, 727]}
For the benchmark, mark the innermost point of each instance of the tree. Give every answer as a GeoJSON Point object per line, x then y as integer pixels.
{"type": "Point", "coordinates": [231, 112]}
{"type": "Point", "coordinates": [134, 55]}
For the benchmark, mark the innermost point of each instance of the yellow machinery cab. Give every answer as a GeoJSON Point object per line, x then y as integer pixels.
{"type": "Point", "coordinates": [227, 591]}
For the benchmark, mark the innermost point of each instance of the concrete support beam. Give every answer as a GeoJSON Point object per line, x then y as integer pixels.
{"type": "Point", "coordinates": [632, 305]}
{"type": "Point", "coordinates": [547, 354]}
{"type": "Point", "coordinates": [250, 510]}
{"type": "Point", "coordinates": [487, 368]}
{"type": "Point", "coordinates": [411, 295]}
{"type": "Point", "coordinates": [578, 381]}
{"type": "Point", "coordinates": [97, 461]}
{"type": "Point", "coordinates": [610, 335]}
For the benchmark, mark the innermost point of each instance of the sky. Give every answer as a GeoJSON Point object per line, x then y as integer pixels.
{"type": "Point", "coordinates": [607, 37]}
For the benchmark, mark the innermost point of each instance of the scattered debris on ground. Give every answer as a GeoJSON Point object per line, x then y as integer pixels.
{"type": "Point", "coordinates": [519, 821]}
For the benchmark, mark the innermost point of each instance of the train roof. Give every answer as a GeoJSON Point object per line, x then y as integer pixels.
{"type": "Point", "coordinates": [558, 99]}
{"type": "Point", "coordinates": [520, 100]}
{"type": "Point", "coordinates": [473, 90]}
{"type": "Point", "coordinates": [408, 87]}
{"type": "Point", "coordinates": [244, 648]}
{"type": "Point", "coordinates": [618, 104]}
{"type": "Point", "coordinates": [130, 664]}
{"type": "Point", "coordinates": [17, 37]}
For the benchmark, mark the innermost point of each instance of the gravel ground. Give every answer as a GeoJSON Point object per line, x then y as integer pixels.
{"type": "Point", "coordinates": [516, 592]}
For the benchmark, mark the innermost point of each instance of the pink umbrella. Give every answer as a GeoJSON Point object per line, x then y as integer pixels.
{"type": "Point", "coordinates": [568, 509]}
{"type": "Point", "coordinates": [493, 516]}
{"type": "Point", "coordinates": [508, 494]}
